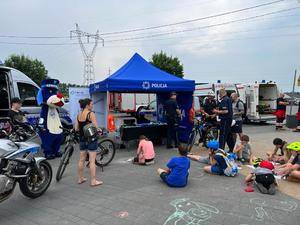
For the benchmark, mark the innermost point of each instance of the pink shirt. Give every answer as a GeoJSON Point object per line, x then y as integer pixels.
{"type": "Point", "coordinates": [147, 148]}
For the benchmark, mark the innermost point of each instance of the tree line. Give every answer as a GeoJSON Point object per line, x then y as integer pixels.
{"type": "Point", "coordinates": [36, 70]}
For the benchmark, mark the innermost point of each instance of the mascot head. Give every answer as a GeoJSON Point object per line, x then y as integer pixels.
{"type": "Point", "coordinates": [56, 101]}
{"type": "Point", "coordinates": [48, 94]}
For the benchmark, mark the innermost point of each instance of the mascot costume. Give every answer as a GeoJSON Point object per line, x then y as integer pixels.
{"type": "Point", "coordinates": [50, 132]}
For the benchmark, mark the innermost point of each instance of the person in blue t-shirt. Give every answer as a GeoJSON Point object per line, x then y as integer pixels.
{"type": "Point", "coordinates": [176, 175]}
{"type": "Point", "coordinates": [217, 162]}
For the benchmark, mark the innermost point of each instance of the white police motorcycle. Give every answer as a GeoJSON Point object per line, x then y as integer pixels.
{"type": "Point", "coordinates": [18, 165]}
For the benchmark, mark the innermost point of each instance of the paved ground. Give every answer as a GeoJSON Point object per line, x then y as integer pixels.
{"type": "Point", "coordinates": [135, 195]}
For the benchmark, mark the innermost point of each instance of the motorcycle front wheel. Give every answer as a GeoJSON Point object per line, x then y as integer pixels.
{"type": "Point", "coordinates": [35, 185]}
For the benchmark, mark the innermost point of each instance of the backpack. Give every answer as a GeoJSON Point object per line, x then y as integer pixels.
{"type": "Point", "coordinates": [245, 108]}
{"type": "Point", "coordinates": [232, 168]}
{"type": "Point", "coordinates": [89, 131]}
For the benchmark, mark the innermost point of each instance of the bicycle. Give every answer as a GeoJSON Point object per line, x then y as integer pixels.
{"type": "Point", "coordinates": [105, 152]}
{"type": "Point", "coordinates": [206, 132]}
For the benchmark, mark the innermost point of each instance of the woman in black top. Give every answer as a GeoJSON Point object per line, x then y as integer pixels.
{"type": "Point", "coordinates": [84, 117]}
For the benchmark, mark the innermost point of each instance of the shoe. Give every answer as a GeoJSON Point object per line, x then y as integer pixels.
{"type": "Point", "coordinates": [49, 156]}
{"type": "Point", "coordinates": [149, 163]}
{"type": "Point", "coordinates": [58, 154]}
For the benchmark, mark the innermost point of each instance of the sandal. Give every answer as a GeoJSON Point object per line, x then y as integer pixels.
{"type": "Point", "coordinates": [81, 181]}
{"type": "Point", "coordinates": [96, 184]}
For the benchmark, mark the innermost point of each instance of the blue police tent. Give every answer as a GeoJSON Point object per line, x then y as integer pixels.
{"type": "Point", "coordinates": [140, 76]}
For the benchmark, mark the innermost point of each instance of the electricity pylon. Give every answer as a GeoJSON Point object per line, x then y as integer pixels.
{"type": "Point", "coordinates": [88, 73]}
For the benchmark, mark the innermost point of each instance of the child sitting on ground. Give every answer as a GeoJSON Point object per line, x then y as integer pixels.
{"type": "Point", "coordinates": [243, 150]}
{"type": "Point", "coordinates": [292, 167]}
{"type": "Point", "coordinates": [176, 175]}
{"type": "Point", "coordinates": [145, 152]}
{"type": "Point", "coordinates": [263, 176]}
{"type": "Point", "coordinates": [217, 164]}
{"type": "Point", "coordinates": [283, 156]}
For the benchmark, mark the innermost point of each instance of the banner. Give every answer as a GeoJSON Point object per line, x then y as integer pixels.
{"type": "Point", "coordinates": [298, 82]}
{"type": "Point", "coordinates": [75, 94]}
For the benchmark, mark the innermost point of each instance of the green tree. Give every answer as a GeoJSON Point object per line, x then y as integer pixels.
{"type": "Point", "coordinates": [64, 88]}
{"type": "Point", "coordinates": [169, 64]}
{"type": "Point", "coordinates": [33, 68]}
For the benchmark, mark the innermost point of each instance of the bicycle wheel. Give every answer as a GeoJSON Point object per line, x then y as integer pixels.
{"type": "Point", "coordinates": [64, 162]}
{"type": "Point", "coordinates": [211, 134]}
{"type": "Point", "coordinates": [191, 140]}
{"type": "Point", "coordinates": [105, 153]}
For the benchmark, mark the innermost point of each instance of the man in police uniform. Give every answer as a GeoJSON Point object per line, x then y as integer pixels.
{"type": "Point", "coordinates": [225, 114]}
{"type": "Point", "coordinates": [207, 108]}
{"type": "Point", "coordinates": [173, 115]}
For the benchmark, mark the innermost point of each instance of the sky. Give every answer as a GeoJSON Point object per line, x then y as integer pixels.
{"type": "Point", "coordinates": [242, 47]}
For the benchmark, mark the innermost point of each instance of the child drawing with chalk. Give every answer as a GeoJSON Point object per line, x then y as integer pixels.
{"type": "Point", "coordinates": [263, 177]}
{"type": "Point", "coordinates": [145, 153]}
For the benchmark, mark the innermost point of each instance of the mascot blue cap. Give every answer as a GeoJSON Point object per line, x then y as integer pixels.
{"type": "Point", "coordinates": [49, 87]}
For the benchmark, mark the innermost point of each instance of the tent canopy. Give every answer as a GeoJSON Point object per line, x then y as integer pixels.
{"type": "Point", "coordinates": [138, 75]}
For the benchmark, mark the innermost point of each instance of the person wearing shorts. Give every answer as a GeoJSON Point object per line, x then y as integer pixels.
{"type": "Point", "coordinates": [238, 111]}
{"type": "Point", "coordinates": [216, 163]}
{"type": "Point", "coordinates": [87, 147]}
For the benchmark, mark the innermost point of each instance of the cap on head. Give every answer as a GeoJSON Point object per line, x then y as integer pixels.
{"type": "Point", "coordinates": [50, 83]}
{"type": "Point", "coordinates": [213, 144]}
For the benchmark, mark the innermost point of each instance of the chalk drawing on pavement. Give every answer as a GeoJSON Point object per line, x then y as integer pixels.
{"type": "Point", "coordinates": [262, 209]}
{"type": "Point", "coordinates": [122, 214]}
{"type": "Point", "coordinates": [188, 212]}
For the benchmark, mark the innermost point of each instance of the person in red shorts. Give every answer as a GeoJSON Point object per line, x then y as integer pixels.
{"type": "Point", "coordinates": [281, 110]}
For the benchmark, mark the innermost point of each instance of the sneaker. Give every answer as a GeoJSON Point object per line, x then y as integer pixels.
{"type": "Point", "coordinates": [149, 163]}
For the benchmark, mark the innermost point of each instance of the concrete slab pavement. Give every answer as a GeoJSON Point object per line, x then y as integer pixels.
{"type": "Point", "coordinates": [135, 195]}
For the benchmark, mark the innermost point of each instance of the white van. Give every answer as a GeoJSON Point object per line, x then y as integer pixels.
{"type": "Point", "coordinates": [14, 83]}
{"type": "Point", "coordinates": [202, 90]}
{"type": "Point", "coordinates": [260, 100]}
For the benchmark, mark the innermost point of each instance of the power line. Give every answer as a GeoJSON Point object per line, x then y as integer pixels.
{"type": "Point", "coordinates": [233, 32]}
{"type": "Point", "coordinates": [152, 27]}
{"type": "Point", "coordinates": [192, 20]}
{"type": "Point", "coordinates": [211, 41]}
{"type": "Point", "coordinates": [161, 34]}
{"type": "Point", "coordinates": [35, 37]}
{"type": "Point", "coordinates": [202, 27]}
